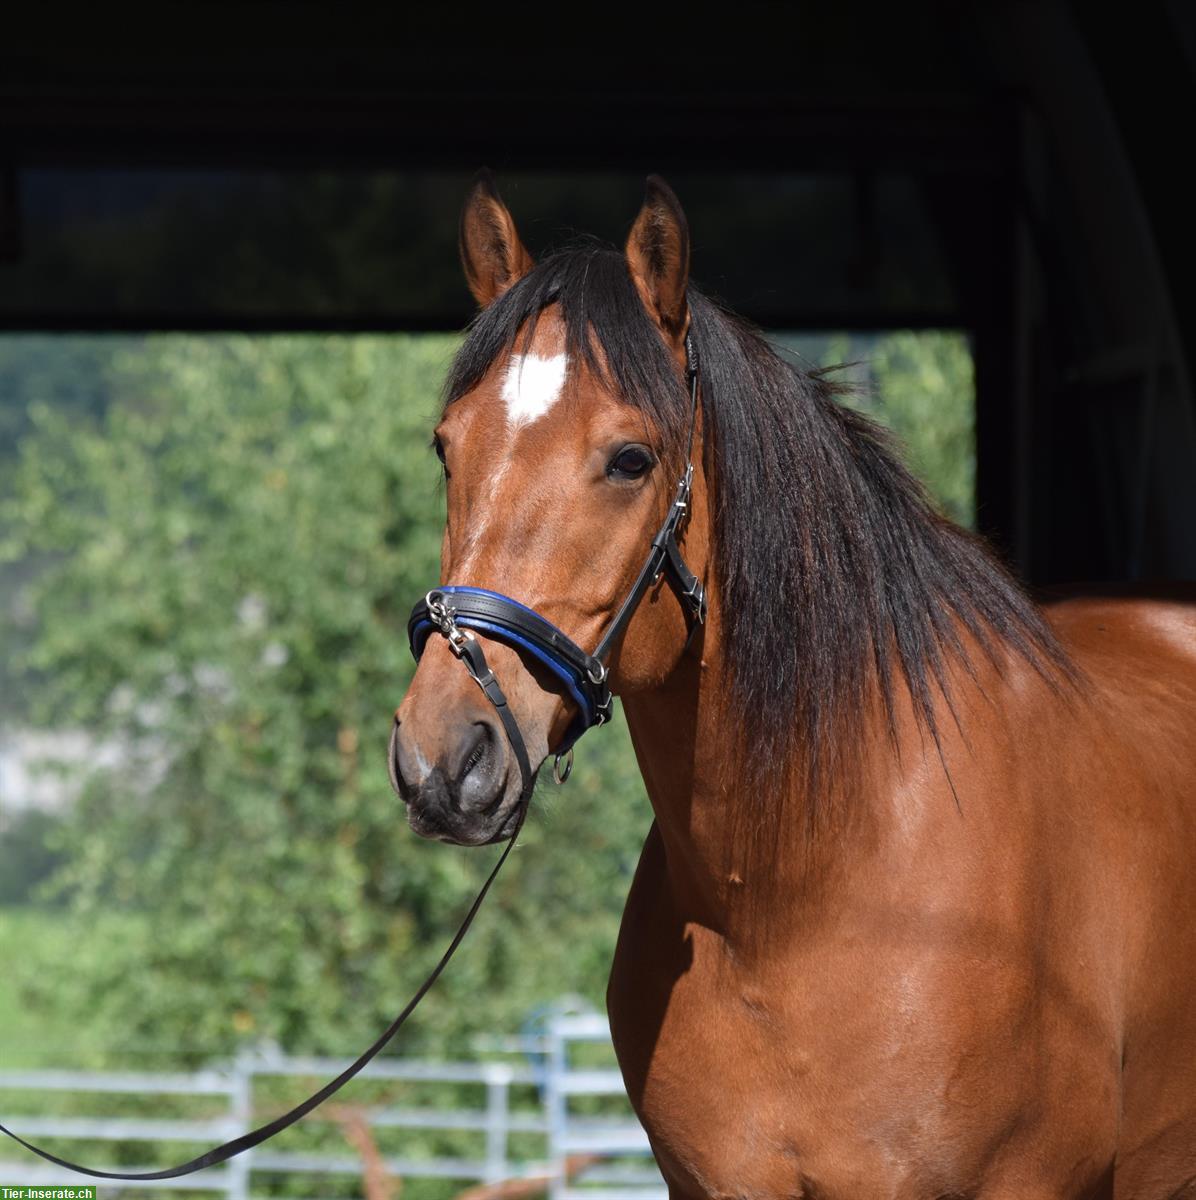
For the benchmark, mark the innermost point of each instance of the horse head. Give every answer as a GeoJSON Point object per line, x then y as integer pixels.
{"type": "Point", "coordinates": [561, 458]}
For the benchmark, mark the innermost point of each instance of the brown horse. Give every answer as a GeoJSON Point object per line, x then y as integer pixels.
{"type": "Point", "coordinates": [917, 915]}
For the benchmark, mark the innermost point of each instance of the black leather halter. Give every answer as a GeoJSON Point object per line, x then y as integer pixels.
{"type": "Point", "coordinates": [455, 612]}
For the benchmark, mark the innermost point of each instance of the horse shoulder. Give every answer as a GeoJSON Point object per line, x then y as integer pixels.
{"type": "Point", "coordinates": [1137, 654]}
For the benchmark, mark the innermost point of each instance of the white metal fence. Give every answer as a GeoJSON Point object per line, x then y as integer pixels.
{"type": "Point", "coordinates": [587, 1157]}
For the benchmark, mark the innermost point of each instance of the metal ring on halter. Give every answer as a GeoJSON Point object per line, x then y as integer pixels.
{"type": "Point", "coordinates": [559, 774]}
{"type": "Point", "coordinates": [436, 608]}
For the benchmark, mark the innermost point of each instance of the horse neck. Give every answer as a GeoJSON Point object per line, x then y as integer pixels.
{"type": "Point", "coordinates": [685, 743]}
{"type": "Point", "coordinates": [671, 731]}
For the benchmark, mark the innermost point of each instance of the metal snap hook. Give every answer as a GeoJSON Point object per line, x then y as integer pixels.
{"type": "Point", "coordinates": [458, 637]}
{"type": "Point", "coordinates": [559, 773]}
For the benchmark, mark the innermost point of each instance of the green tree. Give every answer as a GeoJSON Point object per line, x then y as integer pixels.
{"type": "Point", "coordinates": [925, 391]}
{"type": "Point", "coordinates": [921, 385]}
{"type": "Point", "coordinates": [27, 854]}
{"type": "Point", "coordinates": [229, 553]}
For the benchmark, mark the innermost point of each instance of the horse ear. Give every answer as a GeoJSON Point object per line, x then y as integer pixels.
{"type": "Point", "coordinates": [493, 256]}
{"type": "Point", "coordinates": [658, 255]}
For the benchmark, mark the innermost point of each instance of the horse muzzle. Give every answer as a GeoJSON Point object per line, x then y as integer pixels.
{"type": "Point", "coordinates": [466, 790]}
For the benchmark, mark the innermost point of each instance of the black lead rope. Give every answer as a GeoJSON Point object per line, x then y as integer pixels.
{"type": "Point", "coordinates": [263, 1133]}
{"type": "Point", "coordinates": [446, 611]}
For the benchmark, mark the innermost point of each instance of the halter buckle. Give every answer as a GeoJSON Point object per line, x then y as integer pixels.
{"type": "Point", "coordinates": [696, 597]}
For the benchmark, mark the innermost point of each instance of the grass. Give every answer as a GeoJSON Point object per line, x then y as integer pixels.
{"type": "Point", "coordinates": [32, 1036]}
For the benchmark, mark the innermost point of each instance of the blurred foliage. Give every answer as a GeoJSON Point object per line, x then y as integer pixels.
{"type": "Point", "coordinates": [922, 386]}
{"type": "Point", "coordinates": [231, 550]}
{"type": "Point", "coordinates": [227, 534]}
{"type": "Point", "coordinates": [28, 852]}
{"type": "Point", "coordinates": [35, 1035]}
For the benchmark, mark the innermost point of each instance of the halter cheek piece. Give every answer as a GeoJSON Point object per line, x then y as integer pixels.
{"type": "Point", "coordinates": [456, 612]}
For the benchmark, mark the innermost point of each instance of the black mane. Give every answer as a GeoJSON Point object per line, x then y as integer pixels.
{"type": "Point", "coordinates": [834, 572]}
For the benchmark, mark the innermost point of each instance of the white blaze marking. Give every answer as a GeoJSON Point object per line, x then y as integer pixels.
{"type": "Point", "coordinates": [532, 386]}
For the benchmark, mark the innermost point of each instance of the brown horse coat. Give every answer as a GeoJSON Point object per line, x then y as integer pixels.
{"type": "Point", "coordinates": [989, 1000]}
{"type": "Point", "coordinates": [917, 914]}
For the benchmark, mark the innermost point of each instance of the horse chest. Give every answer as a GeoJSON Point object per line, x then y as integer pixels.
{"type": "Point", "coordinates": [735, 1106]}
{"type": "Point", "coordinates": [844, 1080]}
{"type": "Point", "coordinates": [726, 1116]}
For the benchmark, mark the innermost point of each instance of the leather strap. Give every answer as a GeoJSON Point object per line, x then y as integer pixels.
{"type": "Point", "coordinates": [663, 558]}
{"type": "Point", "coordinates": [686, 584]}
{"type": "Point", "coordinates": [247, 1141]}
{"type": "Point", "coordinates": [472, 656]}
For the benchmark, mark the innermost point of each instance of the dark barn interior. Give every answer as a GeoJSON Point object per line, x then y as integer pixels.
{"type": "Point", "coordinates": [1014, 170]}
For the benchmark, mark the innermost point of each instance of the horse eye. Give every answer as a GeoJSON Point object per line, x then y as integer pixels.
{"type": "Point", "coordinates": [438, 446]}
{"type": "Point", "coordinates": [630, 463]}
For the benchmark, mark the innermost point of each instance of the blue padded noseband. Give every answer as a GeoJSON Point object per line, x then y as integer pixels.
{"type": "Point", "coordinates": [506, 620]}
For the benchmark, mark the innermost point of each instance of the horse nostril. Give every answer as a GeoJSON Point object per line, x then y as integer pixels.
{"type": "Point", "coordinates": [476, 757]}
{"type": "Point", "coordinates": [477, 776]}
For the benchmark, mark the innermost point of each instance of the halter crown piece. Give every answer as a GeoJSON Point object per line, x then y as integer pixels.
{"type": "Point", "coordinates": [455, 612]}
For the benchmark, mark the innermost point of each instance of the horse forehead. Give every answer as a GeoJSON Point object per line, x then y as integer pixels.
{"type": "Point", "coordinates": [538, 396]}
